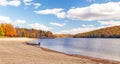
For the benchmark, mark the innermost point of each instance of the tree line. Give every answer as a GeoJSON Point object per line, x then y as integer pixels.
{"type": "Point", "coordinates": [109, 32]}
{"type": "Point", "coordinates": [9, 30]}
{"type": "Point", "coordinates": [63, 35]}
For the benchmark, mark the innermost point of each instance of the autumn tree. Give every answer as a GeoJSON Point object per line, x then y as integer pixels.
{"type": "Point", "coordinates": [10, 30]}
{"type": "Point", "coordinates": [23, 32]}
{"type": "Point", "coordinates": [49, 34]}
{"type": "Point", "coordinates": [1, 32]}
{"type": "Point", "coordinates": [3, 26]}
{"type": "Point", "coordinates": [41, 33]}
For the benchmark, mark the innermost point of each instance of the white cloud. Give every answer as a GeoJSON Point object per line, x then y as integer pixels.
{"type": "Point", "coordinates": [56, 11]}
{"type": "Point", "coordinates": [106, 11]}
{"type": "Point", "coordinates": [19, 21]}
{"type": "Point", "coordinates": [58, 24]}
{"type": "Point", "coordinates": [10, 2]}
{"type": "Point", "coordinates": [37, 5]}
{"type": "Point", "coordinates": [16, 23]}
{"type": "Point", "coordinates": [4, 19]}
{"type": "Point", "coordinates": [79, 30]}
{"type": "Point", "coordinates": [61, 15]}
{"type": "Point", "coordinates": [76, 30]}
{"type": "Point", "coordinates": [109, 23]}
{"type": "Point", "coordinates": [83, 25]}
{"type": "Point", "coordinates": [39, 26]}
{"type": "Point", "coordinates": [27, 2]}
{"type": "Point", "coordinates": [30, 2]}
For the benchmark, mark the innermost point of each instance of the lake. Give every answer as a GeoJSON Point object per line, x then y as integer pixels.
{"type": "Point", "coordinates": [106, 48]}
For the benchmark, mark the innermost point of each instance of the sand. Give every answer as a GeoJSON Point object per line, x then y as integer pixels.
{"type": "Point", "coordinates": [16, 51]}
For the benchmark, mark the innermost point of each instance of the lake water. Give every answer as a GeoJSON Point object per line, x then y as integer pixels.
{"type": "Point", "coordinates": [106, 48]}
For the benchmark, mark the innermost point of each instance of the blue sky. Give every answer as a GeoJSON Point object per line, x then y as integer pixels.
{"type": "Point", "coordinates": [61, 16]}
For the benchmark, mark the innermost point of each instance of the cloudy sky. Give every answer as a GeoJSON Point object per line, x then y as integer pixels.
{"type": "Point", "coordinates": [61, 16]}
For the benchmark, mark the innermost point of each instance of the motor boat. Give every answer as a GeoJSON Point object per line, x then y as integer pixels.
{"type": "Point", "coordinates": [34, 42]}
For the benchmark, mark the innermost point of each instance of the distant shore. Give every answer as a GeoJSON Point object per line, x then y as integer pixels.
{"type": "Point", "coordinates": [16, 51]}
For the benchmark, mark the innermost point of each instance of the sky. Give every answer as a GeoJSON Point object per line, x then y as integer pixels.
{"type": "Point", "coordinates": [61, 16]}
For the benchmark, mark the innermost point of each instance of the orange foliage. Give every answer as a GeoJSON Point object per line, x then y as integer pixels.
{"type": "Point", "coordinates": [8, 29]}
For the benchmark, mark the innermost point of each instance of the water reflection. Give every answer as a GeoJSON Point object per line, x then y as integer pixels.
{"type": "Point", "coordinates": [101, 48]}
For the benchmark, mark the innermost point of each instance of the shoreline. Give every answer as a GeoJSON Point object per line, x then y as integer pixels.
{"type": "Point", "coordinates": [16, 51]}
{"type": "Point", "coordinates": [105, 61]}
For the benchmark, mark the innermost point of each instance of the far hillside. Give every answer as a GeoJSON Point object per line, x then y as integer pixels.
{"type": "Point", "coordinates": [63, 35]}
{"type": "Point", "coordinates": [109, 32]}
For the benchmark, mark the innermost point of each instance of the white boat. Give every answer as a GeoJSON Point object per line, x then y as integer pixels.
{"type": "Point", "coordinates": [34, 42]}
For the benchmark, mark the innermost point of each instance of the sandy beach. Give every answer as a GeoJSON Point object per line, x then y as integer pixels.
{"type": "Point", "coordinates": [16, 51]}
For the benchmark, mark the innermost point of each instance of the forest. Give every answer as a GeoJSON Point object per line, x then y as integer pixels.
{"type": "Point", "coordinates": [109, 32]}
{"type": "Point", "coordinates": [8, 30]}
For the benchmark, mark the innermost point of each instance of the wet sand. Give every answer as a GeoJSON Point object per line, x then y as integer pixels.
{"type": "Point", "coordinates": [16, 51]}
